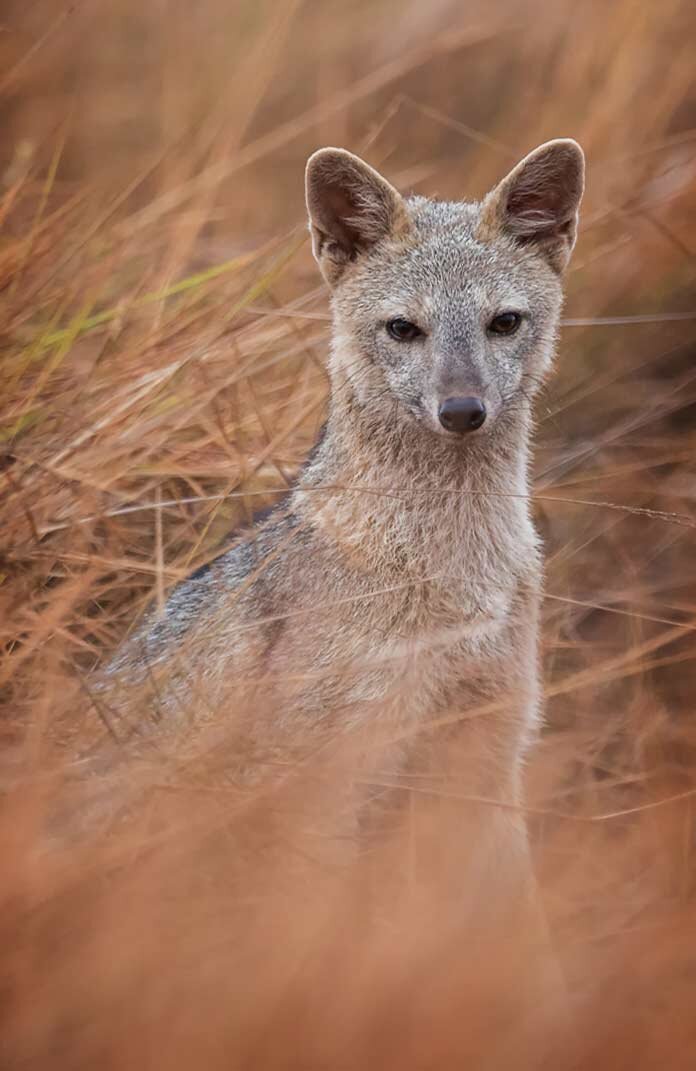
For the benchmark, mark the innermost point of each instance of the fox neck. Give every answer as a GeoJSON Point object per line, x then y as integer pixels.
{"type": "Point", "coordinates": [393, 493]}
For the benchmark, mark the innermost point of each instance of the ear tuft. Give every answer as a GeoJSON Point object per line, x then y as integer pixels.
{"type": "Point", "coordinates": [350, 207]}
{"type": "Point", "coordinates": [537, 203]}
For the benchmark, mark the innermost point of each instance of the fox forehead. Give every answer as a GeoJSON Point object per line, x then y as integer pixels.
{"type": "Point", "coordinates": [441, 263]}
{"type": "Point", "coordinates": [457, 220]}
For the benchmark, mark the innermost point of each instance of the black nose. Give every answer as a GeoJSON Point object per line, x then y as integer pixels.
{"type": "Point", "coordinates": [462, 414]}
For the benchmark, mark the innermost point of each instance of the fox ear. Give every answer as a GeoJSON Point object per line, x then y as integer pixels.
{"type": "Point", "coordinates": [350, 207]}
{"type": "Point", "coordinates": [537, 203]}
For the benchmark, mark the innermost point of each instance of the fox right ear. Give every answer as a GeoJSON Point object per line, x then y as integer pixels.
{"type": "Point", "coordinates": [537, 204]}
{"type": "Point", "coordinates": [350, 207]}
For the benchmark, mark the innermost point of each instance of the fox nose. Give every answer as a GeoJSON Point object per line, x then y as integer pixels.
{"type": "Point", "coordinates": [462, 414]}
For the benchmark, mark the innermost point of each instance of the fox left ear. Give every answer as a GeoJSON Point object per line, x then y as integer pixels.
{"type": "Point", "coordinates": [537, 203]}
{"type": "Point", "coordinates": [351, 208]}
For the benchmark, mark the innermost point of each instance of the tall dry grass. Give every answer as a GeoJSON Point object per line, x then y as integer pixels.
{"type": "Point", "coordinates": [164, 340]}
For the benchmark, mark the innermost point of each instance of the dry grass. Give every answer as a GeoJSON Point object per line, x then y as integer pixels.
{"type": "Point", "coordinates": [163, 343]}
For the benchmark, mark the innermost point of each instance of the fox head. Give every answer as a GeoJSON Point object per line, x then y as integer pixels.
{"type": "Point", "coordinates": [446, 310]}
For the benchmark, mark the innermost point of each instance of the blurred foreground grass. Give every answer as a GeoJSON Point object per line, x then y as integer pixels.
{"type": "Point", "coordinates": [164, 337]}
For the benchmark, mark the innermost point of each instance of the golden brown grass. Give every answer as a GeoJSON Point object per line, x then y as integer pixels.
{"type": "Point", "coordinates": [164, 338]}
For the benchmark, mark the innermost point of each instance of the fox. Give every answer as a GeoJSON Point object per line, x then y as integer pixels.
{"type": "Point", "coordinates": [390, 606]}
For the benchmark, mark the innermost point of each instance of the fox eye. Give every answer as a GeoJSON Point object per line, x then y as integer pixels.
{"type": "Point", "coordinates": [505, 323]}
{"type": "Point", "coordinates": [403, 330]}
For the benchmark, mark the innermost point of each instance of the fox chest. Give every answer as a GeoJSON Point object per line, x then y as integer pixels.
{"type": "Point", "coordinates": [406, 637]}
{"type": "Point", "coordinates": [422, 646]}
